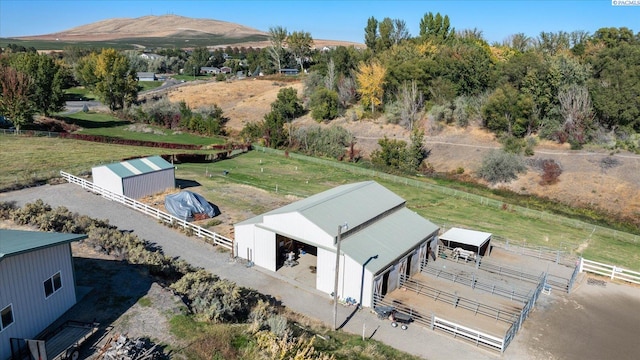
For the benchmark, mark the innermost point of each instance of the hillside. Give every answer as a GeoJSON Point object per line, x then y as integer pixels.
{"type": "Point", "coordinates": [158, 30]}
{"type": "Point", "coordinates": [591, 178]}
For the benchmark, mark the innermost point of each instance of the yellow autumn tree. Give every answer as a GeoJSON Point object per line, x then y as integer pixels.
{"type": "Point", "coordinates": [370, 77]}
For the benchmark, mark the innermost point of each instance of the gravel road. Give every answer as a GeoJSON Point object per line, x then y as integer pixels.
{"type": "Point", "coordinates": [416, 340]}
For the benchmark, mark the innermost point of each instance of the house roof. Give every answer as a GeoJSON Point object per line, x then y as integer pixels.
{"type": "Point", "coordinates": [353, 204]}
{"type": "Point", "coordinates": [389, 238]}
{"type": "Point", "coordinates": [15, 242]}
{"type": "Point", "coordinates": [139, 166]}
{"type": "Point", "coordinates": [467, 237]}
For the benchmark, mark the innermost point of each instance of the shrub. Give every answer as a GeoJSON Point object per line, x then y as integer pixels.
{"type": "Point", "coordinates": [324, 104]}
{"type": "Point", "coordinates": [500, 166]}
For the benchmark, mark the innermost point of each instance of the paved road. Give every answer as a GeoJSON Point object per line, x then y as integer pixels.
{"type": "Point", "coordinates": [416, 340]}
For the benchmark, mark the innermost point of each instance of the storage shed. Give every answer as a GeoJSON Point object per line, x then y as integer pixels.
{"type": "Point", "coordinates": [472, 240]}
{"type": "Point", "coordinates": [37, 283]}
{"type": "Point", "coordinates": [382, 242]}
{"type": "Point", "coordinates": [136, 178]}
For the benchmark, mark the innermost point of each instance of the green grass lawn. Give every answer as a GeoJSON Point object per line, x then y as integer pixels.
{"type": "Point", "coordinates": [148, 85]}
{"type": "Point", "coordinates": [79, 93]}
{"type": "Point", "coordinates": [108, 125]}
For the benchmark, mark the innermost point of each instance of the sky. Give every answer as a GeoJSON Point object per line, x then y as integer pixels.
{"type": "Point", "coordinates": [330, 19]}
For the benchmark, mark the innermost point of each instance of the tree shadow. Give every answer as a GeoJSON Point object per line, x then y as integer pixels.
{"type": "Point", "coordinates": [185, 184]}
{"type": "Point", "coordinates": [88, 124]}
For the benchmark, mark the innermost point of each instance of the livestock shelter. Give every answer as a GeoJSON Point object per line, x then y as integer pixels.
{"type": "Point", "coordinates": [136, 178]}
{"type": "Point", "coordinates": [382, 242]}
{"type": "Point", "coordinates": [471, 240]}
{"type": "Point", "coordinates": [37, 282]}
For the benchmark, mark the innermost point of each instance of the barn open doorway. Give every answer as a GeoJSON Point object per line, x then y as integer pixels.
{"type": "Point", "coordinates": [296, 260]}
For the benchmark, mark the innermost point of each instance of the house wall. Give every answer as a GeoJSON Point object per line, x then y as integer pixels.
{"type": "Point", "coordinates": [22, 285]}
{"type": "Point", "coordinates": [143, 185]}
{"type": "Point", "coordinates": [107, 179]}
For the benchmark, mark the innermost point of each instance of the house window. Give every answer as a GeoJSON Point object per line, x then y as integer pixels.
{"type": "Point", "coordinates": [6, 317]}
{"type": "Point", "coordinates": [52, 284]}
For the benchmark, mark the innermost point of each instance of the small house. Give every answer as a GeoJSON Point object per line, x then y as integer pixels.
{"type": "Point", "coordinates": [146, 76]}
{"type": "Point", "coordinates": [209, 70]}
{"type": "Point", "coordinates": [225, 70]}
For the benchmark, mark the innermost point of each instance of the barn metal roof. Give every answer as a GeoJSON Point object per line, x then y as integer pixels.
{"type": "Point", "coordinates": [15, 242]}
{"type": "Point", "coordinates": [464, 236]}
{"type": "Point", "coordinates": [135, 167]}
{"type": "Point", "coordinates": [353, 204]}
{"type": "Point", "coordinates": [389, 238]}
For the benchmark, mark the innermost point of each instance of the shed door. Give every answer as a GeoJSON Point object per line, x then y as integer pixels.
{"type": "Point", "coordinates": [415, 263]}
{"type": "Point", "coordinates": [403, 271]}
{"type": "Point", "coordinates": [392, 282]}
{"type": "Point", "coordinates": [422, 255]}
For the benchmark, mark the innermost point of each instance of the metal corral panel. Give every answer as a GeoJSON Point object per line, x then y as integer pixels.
{"type": "Point", "coordinates": [136, 187]}
{"type": "Point", "coordinates": [107, 179]}
{"type": "Point", "coordinates": [22, 280]}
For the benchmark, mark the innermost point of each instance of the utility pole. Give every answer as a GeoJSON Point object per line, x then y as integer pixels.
{"type": "Point", "coordinates": [335, 284]}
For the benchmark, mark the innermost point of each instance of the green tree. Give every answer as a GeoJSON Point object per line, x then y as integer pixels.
{"type": "Point", "coordinates": [615, 84]}
{"type": "Point", "coordinates": [436, 28]}
{"type": "Point", "coordinates": [324, 104]}
{"type": "Point", "coordinates": [15, 98]}
{"type": "Point", "coordinates": [116, 83]}
{"type": "Point", "coordinates": [47, 80]}
{"type": "Point", "coordinates": [509, 111]}
{"type": "Point", "coordinates": [199, 58]}
{"type": "Point", "coordinates": [299, 43]}
{"type": "Point", "coordinates": [286, 108]}
{"type": "Point", "coordinates": [371, 34]}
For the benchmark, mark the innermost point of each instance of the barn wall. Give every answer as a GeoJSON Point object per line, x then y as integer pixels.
{"type": "Point", "coordinates": [298, 226]}
{"type": "Point", "coordinates": [264, 253]}
{"type": "Point", "coordinates": [354, 280]}
{"type": "Point", "coordinates": [22, 285]}
{"type": "Point", "coordinates": [244, 241]}
{"type": "Point", "coordinates": [325, 272]}
{"type": "Point", "coordinates": [107, 179]}
{"type": "Point", "coordinates": [143, 185]}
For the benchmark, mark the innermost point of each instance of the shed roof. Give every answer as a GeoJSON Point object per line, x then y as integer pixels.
{"type": "Point", "coordinates": [15, 242]}
{"type": "Point", "coordinates": [354, 204]}
{"type": "Point", "coordinates": [140, 166]}
{"type": "Point", "coordinates": [465, 236]}
{"type": "Point", "coordinates": [389, 239]}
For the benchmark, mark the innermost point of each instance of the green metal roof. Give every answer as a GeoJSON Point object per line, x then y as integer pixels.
{"type": "Point", "coordinates": [389, 238]}
{"type": "Point", "coordinates": [353, 204]}
{"type": "Point", "coordinates": [135, 167]}
{"type": "Point", "coordinates": [15, 242]}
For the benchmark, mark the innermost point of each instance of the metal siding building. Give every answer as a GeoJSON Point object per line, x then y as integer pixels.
{"type": "Point", "coordinates": [136, 178]}
{"type": "Point", "coordinates": [28, 259]}
{"type": "Point", "coordinates": [378, 225]}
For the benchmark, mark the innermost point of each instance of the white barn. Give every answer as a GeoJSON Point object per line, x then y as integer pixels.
{"type": "Point", "coordinates": [37, 283]}
{"type": "Point", "coordinates": [136, 178]}
{"type": "Point", "coordinates": [382, 242]}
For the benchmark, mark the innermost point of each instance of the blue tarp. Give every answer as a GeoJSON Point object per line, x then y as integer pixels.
{"type": "Point", "coordinates": [185, 204]}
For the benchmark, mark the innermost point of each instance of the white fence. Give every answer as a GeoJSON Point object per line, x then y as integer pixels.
{"type": "Point", "coordinates": [612, 271]}
{"type": "Point", "coordinates": [469, 334]}
{"type": "Point", "coordinates": [209, 236]}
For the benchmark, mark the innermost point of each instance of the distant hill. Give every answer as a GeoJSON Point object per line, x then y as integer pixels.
{"type": "Point", "coordinates": [165, 30]}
